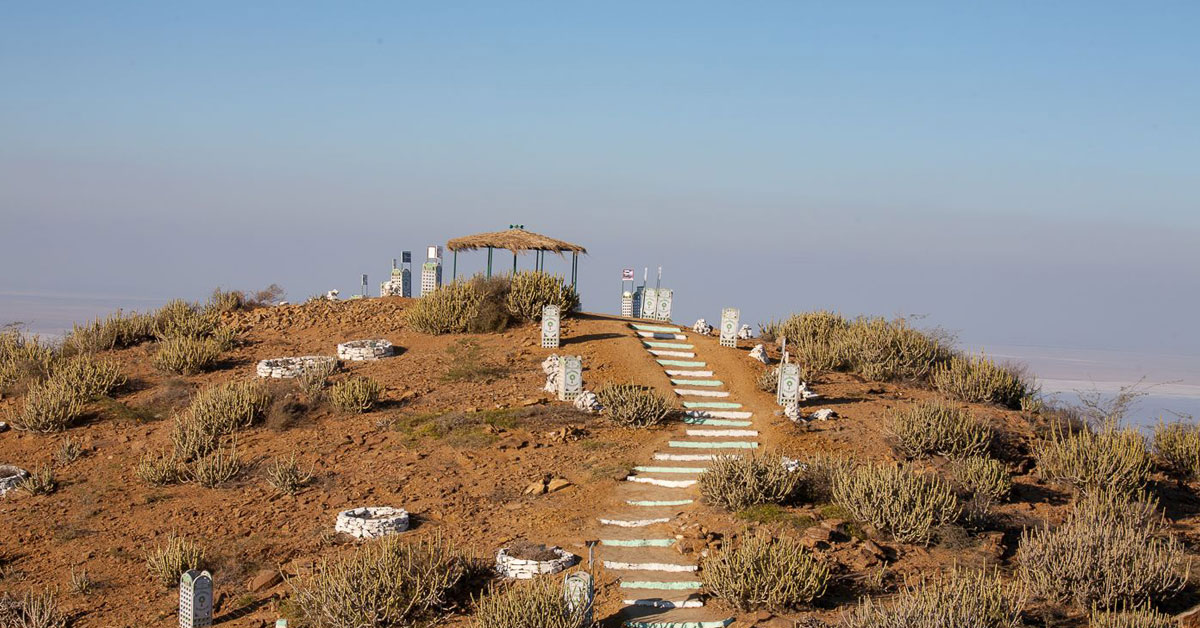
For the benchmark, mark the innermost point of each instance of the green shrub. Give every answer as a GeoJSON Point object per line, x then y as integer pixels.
{"type": "Point", "coordinates": [32, 610]}
{"type": "Point", "coordinates": [1089, 459]}
{"type": "Point", "coordinates": [985, 482]}
{"type": "Point", "coordinates": [976, 599]}
{"type": "Point", "coordinates": [533, 290]}
{"type": "Point", "coordinates": [737, 482]}
{"type": "Point", "coordinates": [882, 350]}
{"type": "Point", "coordinates": [1142, 617]}
{"type": "Point", "coordinates": [51, 406]}
{"type": "Point", "coordinates": [907, 505]}
{"type": "Point", "coordinates": [383, 583]}
{"type": "Point", "coordinates": [180, 319]}
{"type": "Point", "coordinates": [167, 561]}
{"type": "Point", "coordinates": [1110, 551]}
{"type": "Point", "coordinates": [539, 603]}
{"type": "Point", "coordinates": [1178, 445]}
{"type": "Point", "coordinates": [929, 428]}
{"type": "Point", "coordinates": [357, 394]}
{"type": "Point", "coordinates": [764, 572]}
{"type": "Point", "coordinates": [977, 379]}
{"type": "Point", "coordinates": [630, 405]}
{"type": "Point", "coordinates": [187, 355]}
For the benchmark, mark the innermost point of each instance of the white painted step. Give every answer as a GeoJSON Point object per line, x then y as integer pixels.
{"type": "Point", "coordinates": [662, 328]}
{"type": "Point", "coordinates": [647, 469]}
{"type": "Point", "coordinates": [722, 433]}
{"type": "Point", "coordinates": [667, 345]}
{"type": "Point", "coordinates": [662, 585]}
{"type": "Point", "coordinates": [658, 503]}
{"type": "Point", "coordinates": [720, 422]}
{"type": "Point", "coordinates": [701, 393]}
{"type": "Point", "coordinates": [659, 603]}
{"type": "Point", "coordinates": [672, 354]}
{"type": "Point", "coordinates": [668, 567]}
{"type": "Point", "coordinates": [634, 523]}
{"type": "Point", "coordinates": [691, 444]}
{"type": "Point", "coordinates": [688, 457]}
{"type": "Point", "coordinates": [704, 383]}
{"type": "Point", "coordinates": [657, 335]}
{"type": "Point", "coordinates": [718, 414]}
{"type": "Point", "coordinates": [678, 373]}
{"type": "Point", "coordinates": [660, 482]}
{"type": "Point", "coordinates": [638, 542]}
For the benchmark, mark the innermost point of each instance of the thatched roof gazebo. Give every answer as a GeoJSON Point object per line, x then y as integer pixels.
{"type": "Point", "coordinates": [517, 240]}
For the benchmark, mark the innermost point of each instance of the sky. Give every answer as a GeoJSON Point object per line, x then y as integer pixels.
{"type": "Point", "coordinates": [1021, 173]}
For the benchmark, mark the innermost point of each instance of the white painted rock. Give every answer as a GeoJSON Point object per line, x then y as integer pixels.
{"type": "Point", "coordinates": [823, 415]}
{"type": "Point", "coordinates": [792, 465]}
{"type": "Point", "coordinates": [759, 352]}
{"type": "Point", "coordinates": [745, 333]}
{"type": "Point", "coordinates": [807, 393]}
{"type": "Point", "coordinates": [10, 477]}
{"type": "Point", "coordinates": [702, 327]}
{"type": "Point", "coordinates": [792, 412]}
{"type": "Point", "coordinates": [372, 522]}
{"type": "Point", "coordinates": [588, 402]}
{"type": "Point", "coordinates": [521, 569]}
{"type": "Point", "coordinates": [332, 295]}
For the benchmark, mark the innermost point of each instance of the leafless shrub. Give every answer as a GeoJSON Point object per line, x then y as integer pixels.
{"type": "Point", "coordinates": [764, 572]}
{"type": "Point", "coordinates": [978, 599]}
{"type": "Point", "coordinates": [977, 379]}
{"type": "Point", "coordinates": [158, 469]}
{"type": "Point", "coordinates": [357, 394]}
{"type": "Point", "coordinates": [537, 604]}
{"type": "Point", "coordinates": [1138, 617]}
{"type": "Point", "coordinates": [1089, 459]}
{"type": "Point", "coordinates": [32, 610]}
{"type": "Point", "coordinates": [69, 451]}
{"type": "Point", "coordinates": [167, 561]}
{"type": "Point", "coordinates": [40, 481]}
{"type": "Point", "coordinates": [936, 428]}
{"type": "Point", "coordinates": [1178, 446]}
{"type": "Point", "coordinates": [907, 505]}
{"type": "Point", "coordinates": [630, 405]}
{"type": "Point", "coordinates": [737, 482]}
{"type": "Point", "coordinates": [51, 406]}
{"type": "Point", "coordinates": [285, 475]}
{"type": "Point", "coordinates": [985, 481]}
{"type": "Point", "coordinates": [216, 468]}
{"type": "Point", "coordinates": [532, 290]}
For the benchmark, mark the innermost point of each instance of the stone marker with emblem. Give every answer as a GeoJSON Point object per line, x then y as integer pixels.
{"type": "Point", "coordinates": [663, 308]}
{"type": "Point", "coordinates": [551, 328]}
{"type": "Point", "coordinates": [649, 303]}
{"type": "Point", "coordinates": [729, 326]}
{"type": "Point", "coordinates": [570, 377]}
{"type": "Point", "coordinates": [195, 599]}
{"type": "Point", "coordinates": [579, 593]}
{"type": "Point", "coordinates": [789, 384]}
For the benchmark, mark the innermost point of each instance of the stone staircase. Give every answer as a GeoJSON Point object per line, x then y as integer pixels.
{"type": "Point", "coordinates": [660, 586]}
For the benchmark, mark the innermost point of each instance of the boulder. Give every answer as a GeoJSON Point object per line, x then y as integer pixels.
{"type": "Point", "coordinates": [263, 580]}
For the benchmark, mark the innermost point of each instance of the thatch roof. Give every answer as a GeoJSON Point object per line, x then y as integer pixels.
{"type": "Point", "coordinates": [515, 240]}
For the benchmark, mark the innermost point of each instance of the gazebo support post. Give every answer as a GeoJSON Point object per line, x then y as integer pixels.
{"type": "Point", "coordinates": [574, 267]}
{"type": "Point", "coordinates": [454, 268]}
{"type": "Point", "coordinates": [489, 272]}
{"type": "Point", "coordinates": [514, 262]}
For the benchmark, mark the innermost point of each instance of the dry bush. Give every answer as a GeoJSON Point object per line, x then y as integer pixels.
{"type": "Point", "coordinates": [80, 582]}
{"type": "Point", "coordinates": [192, 437]}
{"type": "Point", "coordinates": [285, 475]}
{"type": "Point", "coordinates": [737, 482]}
{"type": "Point", "coordinates": [977, 599]}
{"type": "Point", "coordinates": [539, 603]}
{"type": "Point", "coordinates": [158, 469]}
{"type": "Point", "coordinates": [116, 331]}
{"type": "Point", "coordinates": [51, 406]}
{"type": "Point", "coordinates": [90, 377]}
{"type": "Point", "coordinates": [180, 319]}
{"type": "Point", "coordinates": [985, 482]}
{"type": "Point", "coordinates": [387, 582]}
{"type": "Point", "coordinates": [32, 610]}
{"type": "Point", "coordinates": [1178, 446]}
{"type": "Point", "coordinates": [977, 379]}
{"type": "Point", "coordinates": [764, 572]}
{"type": "Point", "coordinates": [357, 394]}
{"type": "Point", "coordinates": [216, 468]}
{"type": "Point", "coordinates": [222, 301]}
{"type": "Point", "coordinates": [769, 332]}
{"type": "Point", "coordinates": [69, 451]}
{"type": "Point", "coordinates": [167, 561]}
{"type": "Point", "coordinates": [313, 380]}
{"type": "Point", "coordinates": [40, 481]}
{"type": "Point", "coordinates": [883, 350]}
{"type": "Point", "coordinates": [820, 472]}
{"type": "Point", "coordinates": [1142, 617]}
{"type": "Point", "coordinates": [930, 428]}
{"type": "Point", "coordinates": [454, 309]}
{"type": "Point", "coordinates": [24, 359]}
{"type": "Point", "coordinates": [905, 504]}
{"type": "Point", "coordinates": [532, 290]}
{"type": "Point", "coordinates": [186, 355]}
{"type": "Point", "coordinates": [1088, 459]}
{"type": "Point", "coordinates": [768, 379]}
{"type": "Point", "coordinates": [631, 405]}
{"type": "Point", "coordinates": [218, 411]}
{"type": "Point", "coordinates": [1110, 551]}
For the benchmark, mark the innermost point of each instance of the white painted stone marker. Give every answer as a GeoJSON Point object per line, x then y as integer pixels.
{"type": "Point", "coordinates": [195, 599]}
{"type": "Point", "coordinates": [580, 592]}
{"type": "Point", "coordinates": [788, 386]}
{"type": "Point", "coordinates": [551, 329]}
{"type": "Point", "coordinates": [570, 377]}
{"type": "Point", "coordinates": [729, 326]}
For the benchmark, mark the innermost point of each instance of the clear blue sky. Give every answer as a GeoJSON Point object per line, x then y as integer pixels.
{"type": "Point", "coordinates": [1023, 172]}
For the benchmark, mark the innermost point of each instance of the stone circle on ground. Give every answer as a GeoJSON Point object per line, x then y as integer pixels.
{"type": "Point", "coordinates": [372, 522]}
{"type": "Point", "coordinates": [292, 367]}
{"type": "Point", "coordinates": [521, 569]}
{"type": "Point", "coordinates": [10, 477]}
{"type": "Point", "coordinates": [362, 350]}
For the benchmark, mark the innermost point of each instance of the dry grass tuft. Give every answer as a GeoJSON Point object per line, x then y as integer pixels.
{"type": "Point", "coordinates": [764, 572]}
{"type": "Point", "coordinates": [1111, 551]}
{"type": "Point", "coordinates": [738, 482]}
{"type": "Point", "coordinates": [960, 598]}
{"type": "Point", "coordinates": [930, 428]}
{"type": "Point", "coordinates": [167, 561]}
{"type": "Point", "coordinates": [387, 582]}
{"type": "Point", "coordinates": [907, 505]}
{"type": "Point", "coordinates": [631, 405]}
{"type": "Point", "coordinates": [357, 394]}
{"type": "Point", "coordinates": [537, 604]}
{"type": "Point", "coordinates": [285, 475]}
{"type": "Point", "coordinates": [32, 610]}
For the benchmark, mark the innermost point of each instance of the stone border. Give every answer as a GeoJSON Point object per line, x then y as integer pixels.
{"type": "Point", "coordinates": [521, 569]}
{"type": "Point", "coordinates": [10, 477]}
{"type": "Point", "coordinates": [372, 522]}
{"type": "Point", "coordinates": [291, 367]}
{"type": "Point", "coordinates": [363, 350]}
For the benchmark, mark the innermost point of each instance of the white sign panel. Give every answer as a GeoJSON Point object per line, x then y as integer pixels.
{"type": "Point", "coordinates": [550, 327]}
{"type": "Point", "coordinates": [729, 326]}
{"type": "Point", "coordinates": [649, 302]}
{"type": "Point", "coordinates": [626, 274]}
{"type": "Point", "coordinates": [789, 384]}
{"type": "Point", "coordinates": [663, 308]}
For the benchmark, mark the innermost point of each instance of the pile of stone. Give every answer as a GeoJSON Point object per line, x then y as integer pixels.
{"type": "Point", "coordinates": [550, 368]}
{"type": "Point", "coordinates": [10, 477]}
{"type": "Point", "coordinates": [587, 401]}
{"type": "Point", "coordinates": [702, 327]}
{"type": "Point", "coordinates": [372, 522]}
{"type": "Point", "coordinates": [745, 333]}
{"type": "Point", "coordinates": [759, 352]}
{"type": "Point", "coordinates": [522, 569]}
{"type": "Point", "coordinates": [294, 367]}
{"type": "Point", "coordinates": [363, 350]}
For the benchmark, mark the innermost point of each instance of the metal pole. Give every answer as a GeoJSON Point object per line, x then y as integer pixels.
{"type": "Point", "coordinates": [514, 262]}
{"type": "Point", "coordinates": [574, 268]}
{"type": "Point", "coordinates": [489, 271]}
{"type": "Point", "coordinates": [454, 269]}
